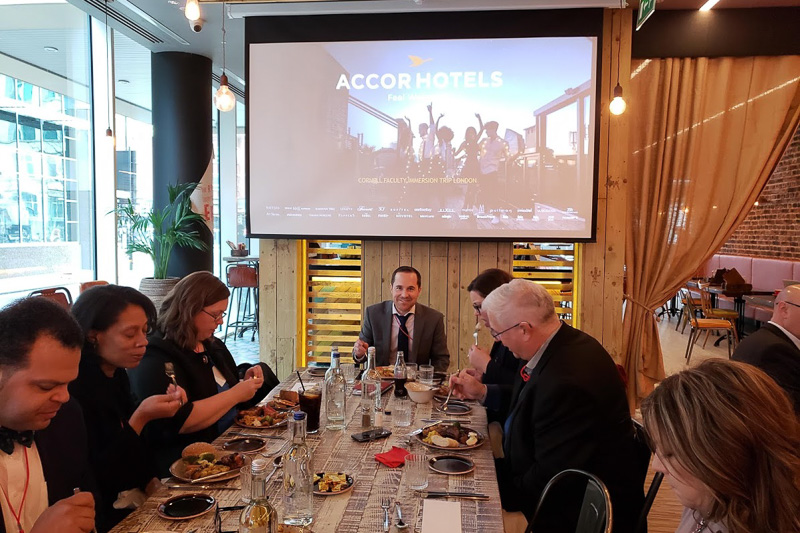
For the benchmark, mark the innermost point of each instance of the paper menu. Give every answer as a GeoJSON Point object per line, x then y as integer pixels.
{"type": "Point", "coordinates": [441, 515]}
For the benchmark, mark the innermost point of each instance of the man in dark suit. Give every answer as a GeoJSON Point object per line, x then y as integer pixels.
{"type": "Point", "coordinates": [566, 408]}
{"type": "Point", "coordinates": [775, 348]}
{"type": "Point", "coordinates": [403, 324]}
{"type": "Point", "coordinates": [43, 453]}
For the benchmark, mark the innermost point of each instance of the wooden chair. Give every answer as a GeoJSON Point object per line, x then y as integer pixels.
{"type": "Point", "coordinates": [86, 285]}
{"type": "Point", "coordinates": [683, 317]}
{"type": "Point", "coordinates": [59, 295]}
{"type": "Point", "coordinates": [704, 324]}
{"type": "Point", "coordinates": [709, 311]}
{"type": "Point", "coordinates": [575, 500]}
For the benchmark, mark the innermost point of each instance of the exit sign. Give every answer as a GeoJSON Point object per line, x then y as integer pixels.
{"type": "Point", "coordinates": [646, 8]}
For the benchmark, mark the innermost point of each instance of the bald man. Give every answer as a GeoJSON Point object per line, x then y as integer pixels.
{"type": "Point", "coordinates": [775, 348]}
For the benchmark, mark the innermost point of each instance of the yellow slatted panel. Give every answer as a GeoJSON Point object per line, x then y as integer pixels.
{"type": "Point", "coordinates": [553, 267]}
{"type": "Point", "coordinates": [332, 298]}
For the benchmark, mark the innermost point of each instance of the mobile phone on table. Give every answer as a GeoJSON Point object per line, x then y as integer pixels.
{"type": "Point", "coordinates": [373, 434]}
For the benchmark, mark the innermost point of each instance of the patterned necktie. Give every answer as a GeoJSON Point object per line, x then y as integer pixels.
{"type": "Point", "coordinates": [402, 335]}
{"type": "Point", "coordinates": [9, 436]}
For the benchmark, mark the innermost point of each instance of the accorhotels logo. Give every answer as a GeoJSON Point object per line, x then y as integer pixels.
{"type": "Point", "coordinates": [420, 80]}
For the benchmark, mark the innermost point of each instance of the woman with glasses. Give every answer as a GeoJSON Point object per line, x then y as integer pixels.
{"type": "Point", "coordinates": [115, 322]}
{"type": "Point", "coordinates": [726, 439]}
{"type": "Point", "coordinates": [183, 349]}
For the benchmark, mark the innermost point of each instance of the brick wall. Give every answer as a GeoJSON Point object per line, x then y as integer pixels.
{"type": "Point", "coordinates": [772, 229]}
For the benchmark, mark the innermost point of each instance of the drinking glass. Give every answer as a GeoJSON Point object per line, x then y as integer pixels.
{"type": "Point", "coordinates": [310, 404]}
{"type": "Point", "coordinates": [411, 371]}
{"type": "Point", "coordinates": [425, 375]}
{"type": "Point", "coordinates": [349, 374]}
{"type": "Point", "coordinates": [417, 470]}
{"type": "Point", "coordinates": [401, 410]}
{"type": "Point", "coordinates": [245, 476]}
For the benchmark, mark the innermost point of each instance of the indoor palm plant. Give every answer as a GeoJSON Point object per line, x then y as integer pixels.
{"type": "Point", "coordinates": [157, 232]}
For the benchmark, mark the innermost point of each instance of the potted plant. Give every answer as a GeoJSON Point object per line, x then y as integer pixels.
{"type": "Point", "coordinates": [157, 232]}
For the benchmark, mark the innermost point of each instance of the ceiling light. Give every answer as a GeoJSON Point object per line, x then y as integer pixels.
{"type": "Point", "coordinates": [617, 105]}
{"type": "Point", "coordinates": [224, 99]}
{"type": "Point", "coordinates": [192, 10]}
{"type": "Point", "coordinates": [50, 49]}
{"type": "Point", "coordinates": [708, 5]}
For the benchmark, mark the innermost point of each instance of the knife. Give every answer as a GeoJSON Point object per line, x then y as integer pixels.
{"type": "Point", "coordinates": [212, 476]}
{"type": "Point", "coordinates": [418, 431]}
{"type": "Point", "coordinates": [201, 487]}
{"type": "Point", "coordinates": [465, 495]}
{"type": "Point", "coordinates": [445, 420]}
{"type": "Point", "coordinates": [259, 435]}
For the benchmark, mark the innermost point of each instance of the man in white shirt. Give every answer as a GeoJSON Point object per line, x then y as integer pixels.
{"type": "Point", "coordinates": [43, 454]}
{"type": "Point", "coordinates": [775, 348]}
{"type": "Point", "coordinates": [402, 324]}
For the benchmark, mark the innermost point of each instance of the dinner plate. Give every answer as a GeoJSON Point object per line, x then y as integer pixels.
{"type": "Point", "coordinates": [454, 408]}
{"type": "Point", "coordinates": [280, 407]}
{"type": "Point", "coordinates": [281, 424]}
{"type": "Point", "coordinates": [178, 471]}
{"type": "Point", "coordinates": [244, 445]}
{"type": "Point", "coordinates": [186, 506]}
{"type": "Point", "coordinates": [481, 439]}
{"type": "Point", "coordinates": [317, 371]}
{"type": "Point", "coordinates": [451, 465]}
{"type": "Point", "coordinates": [347, 488]}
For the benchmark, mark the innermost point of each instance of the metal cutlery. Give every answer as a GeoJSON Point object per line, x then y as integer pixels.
{"type": "Point", "coordinates": [169, 370]}
{"type": "Point", "coordinates": [175, 486]}
{"type": "Point", "coordinates": [385, 503]}
{"type": "Point", "coordinates": [445, 494]}
{"type": "Point", "coordinates": [259, 435]}
{"type": "Point", "coordinates": [444, 405]}
{"type": "Point", "coordinates": [477, 329]}
{"type": "Point", "coordinates": [400, 524]}
{"type": "Point", "coordinates": [420, 430]}
{"type": "Point", "coordinates": [195, 482]}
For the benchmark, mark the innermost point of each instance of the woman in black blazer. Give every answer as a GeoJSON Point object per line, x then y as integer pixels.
{"type": "Point", "coordinates": [115, 322]}
{"type": "Point", "coordinates": [215, 387]}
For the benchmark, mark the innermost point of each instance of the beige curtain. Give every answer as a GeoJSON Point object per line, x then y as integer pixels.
{"type": "Point", "coordinates": [705, 134]}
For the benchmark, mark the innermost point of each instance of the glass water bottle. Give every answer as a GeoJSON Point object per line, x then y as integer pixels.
{"type": "Point", "coordinates": [370, 392]}
{"type": "Point", "coordinates": [259, 516]}
{"type": "Point", "coordinates": [335, 393]}
{"type": "Point", "coordinates": [298, 482]}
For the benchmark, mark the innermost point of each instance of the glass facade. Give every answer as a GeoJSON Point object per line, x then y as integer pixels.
{"type": "Point", "coordinates": [46, 175]}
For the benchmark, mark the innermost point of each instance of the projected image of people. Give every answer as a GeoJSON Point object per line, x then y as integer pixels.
{"type": "Point", "coordinates": [465, 137]}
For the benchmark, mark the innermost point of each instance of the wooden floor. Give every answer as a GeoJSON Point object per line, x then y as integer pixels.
{"type": "Point", "coordinates": [666, 511]}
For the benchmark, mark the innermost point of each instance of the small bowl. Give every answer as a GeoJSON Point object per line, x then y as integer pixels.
{"type": "Point", "coordinates": [240, 253]}
{"type": "Point", "coordinates": [419, 393]}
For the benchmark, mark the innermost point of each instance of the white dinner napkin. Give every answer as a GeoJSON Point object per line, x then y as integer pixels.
{"type": "Point", "coordinates": [441, 515]}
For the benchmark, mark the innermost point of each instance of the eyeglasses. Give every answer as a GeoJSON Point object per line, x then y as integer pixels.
{"type": "Point", "coordinates": [218, 519]}
{"type": "Point", "coordinates": [790, 303]}
{"type": "Point", "coordinates": [477, 307]}
{"type": "Point", "coordinates": [216, 316]}
{"type": "Point", "coordinates": [497, 334]}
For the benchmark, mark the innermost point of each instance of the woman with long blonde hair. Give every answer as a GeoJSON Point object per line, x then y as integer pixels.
{"type": "Point", "coordinates": [728, 442]}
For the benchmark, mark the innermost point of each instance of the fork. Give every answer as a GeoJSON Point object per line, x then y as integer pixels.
{"type": "Point", "coordinates": [477, 329]}
{"type": "Point", "coordinates": [444, 405]}
{"type": "Point", "coordinates": [385, 504]}
{"type": "Point", "coordinates": [169, 370]}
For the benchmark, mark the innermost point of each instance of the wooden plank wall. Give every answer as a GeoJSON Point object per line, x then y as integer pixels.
{"type": "Point", "coordinates": [446, 269]}
{"type": "Point", "coordinates": [278, 328]}
{"type": "Point", "coordinates": [602, 262]}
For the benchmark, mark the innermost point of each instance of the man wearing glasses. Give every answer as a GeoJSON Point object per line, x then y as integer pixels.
{"type": "Point", "coordinates": [566, 409]}
{"type": "Point", "coordinates": [775, 348]}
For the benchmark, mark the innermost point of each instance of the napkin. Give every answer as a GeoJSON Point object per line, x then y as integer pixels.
{"type": "Point", "coordinates": [441, 515]}
{"type": "Point", "coordinates": [393, 458]}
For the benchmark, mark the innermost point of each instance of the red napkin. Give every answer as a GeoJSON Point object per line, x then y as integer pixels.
{"type": "Point", "coordinates": [393, 458]}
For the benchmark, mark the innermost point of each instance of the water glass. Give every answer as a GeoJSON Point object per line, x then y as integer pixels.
{"type": "Point", "coordinates": [425, 375]}
{"type": "Point", "coordinates": [417, 471]}
{"type": "Point", "coordinates": [245, 477]}
{"type": "Point", "coordinates": [349, 374]}
{"type": "Point", "coordinates": [411, 371]}
{"type": "Point", "coordinates": [401, 410]}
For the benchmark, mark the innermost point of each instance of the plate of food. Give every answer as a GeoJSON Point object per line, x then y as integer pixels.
{"type": "Point", "coordinates": [450, 437]}
{"type": "Point", "coordinates": [317, 371]}
{"type": "Point", "coordinates": [451, 465]}
{"type": "Point", "coordinates": [331, 483]}
{"type": "Point", "coordinates": [279, 404]}
{"type": "Point", "coordinates": [186, 506]}
{"type": "Point", "coordinates": [262, 417]}
{"type": "Point", "coordinates": [386, 372]}
{"type": "Point", "coordinates": [201, 462]}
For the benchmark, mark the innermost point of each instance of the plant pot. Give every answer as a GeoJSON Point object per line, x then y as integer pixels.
{"type": "Point", "coordinates": [157, 289]}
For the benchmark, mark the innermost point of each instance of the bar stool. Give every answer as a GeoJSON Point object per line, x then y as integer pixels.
{"type": "Point", "coordinates": [243, 305]}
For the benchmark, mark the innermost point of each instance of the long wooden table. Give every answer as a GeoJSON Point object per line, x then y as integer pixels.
{"type": "Point", "coordinates": [357, 511]}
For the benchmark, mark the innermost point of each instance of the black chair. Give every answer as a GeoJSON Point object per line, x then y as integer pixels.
{"type": "Point", "coordinates": [573, 501]}
{"type": "Point", "coordinates": [644, 453]}
{"type": "Point", "coordinates": [59, 295]}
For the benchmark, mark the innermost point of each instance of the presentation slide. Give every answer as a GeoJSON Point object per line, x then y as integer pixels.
{"type": "Point", "coordinates": [459, 138]}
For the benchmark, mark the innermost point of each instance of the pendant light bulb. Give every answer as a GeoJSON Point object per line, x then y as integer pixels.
{"type": "Point", "coordinates": [224, 99]}
{"type": "Point", "coordinates": [617, 105]}
{"type": "Point", "coordinates": [192, 10]}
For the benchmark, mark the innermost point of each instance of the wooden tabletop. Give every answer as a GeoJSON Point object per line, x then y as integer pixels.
{"type": "Point", "coordinates": [357, 511]}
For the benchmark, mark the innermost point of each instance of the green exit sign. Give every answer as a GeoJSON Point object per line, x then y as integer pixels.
{"type": "Point", "coordinates": [646, 8]}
